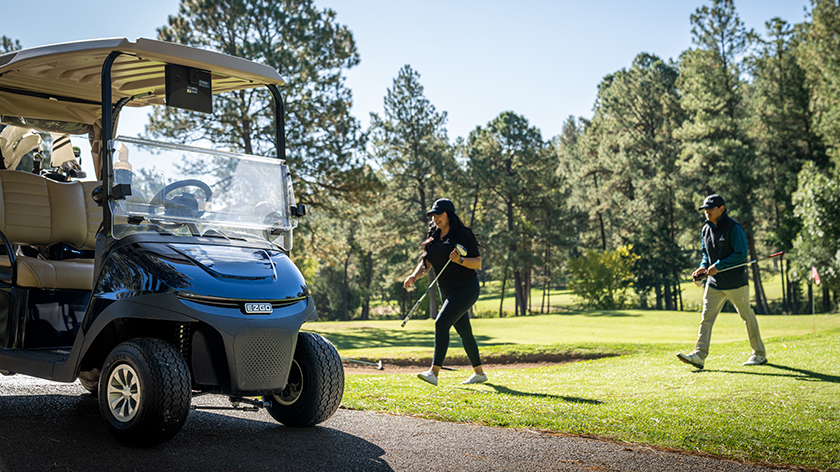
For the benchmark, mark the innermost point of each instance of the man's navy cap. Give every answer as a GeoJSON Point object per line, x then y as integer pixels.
{"type": "Point", "coordinates": [440, 206]}
{"type": "Point", "coordinates": [712, 201]}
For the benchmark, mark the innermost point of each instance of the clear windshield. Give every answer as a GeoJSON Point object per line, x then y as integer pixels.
{"type": "Point", "coordinates": [188, 191]}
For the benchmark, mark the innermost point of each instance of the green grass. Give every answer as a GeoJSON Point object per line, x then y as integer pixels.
{"type": "Point", "coordinates": [786, 412]}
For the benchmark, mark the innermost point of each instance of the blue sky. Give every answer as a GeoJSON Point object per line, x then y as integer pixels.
{"type": "Point", "coordinates": [477, 58]}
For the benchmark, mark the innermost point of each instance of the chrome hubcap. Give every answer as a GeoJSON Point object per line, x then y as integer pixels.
{"type": "Point", "coordinates": [294, 386]}
{"type": "Point", "coordinates": [124, 393]}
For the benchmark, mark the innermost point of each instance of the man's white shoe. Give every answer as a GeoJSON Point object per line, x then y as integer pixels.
{"type": "Point", "coordinates": [428, 376]}
{"type": "Point", "coordinates": [755, 359]}
{"type": "Point", "coordinates": [475, 379]}
{"type": "Point", "coordinates": [691, 358]}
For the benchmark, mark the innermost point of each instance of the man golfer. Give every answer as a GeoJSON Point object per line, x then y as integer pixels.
{"type": "Point", "coordinates": [724, 245]}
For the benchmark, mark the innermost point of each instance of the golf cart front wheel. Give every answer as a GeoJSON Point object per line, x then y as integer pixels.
{"type": "Point", "coordinates": [315, 386]}
{"type": "Point", "coordinates": [144, 392]}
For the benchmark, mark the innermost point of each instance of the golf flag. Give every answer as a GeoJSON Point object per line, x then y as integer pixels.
{"type": "Point", "coordinates": [815, 275]}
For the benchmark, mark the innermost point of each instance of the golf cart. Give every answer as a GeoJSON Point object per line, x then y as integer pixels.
{"type": "Point", "coordinates": [169, 276]}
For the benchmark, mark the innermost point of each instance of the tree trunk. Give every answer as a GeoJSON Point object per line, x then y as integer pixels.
{"type": "Point", "coordinates": [668, 298]}
{"type": "Point", "coordinates": [679, 293]}
{"type": "Point", "coordinates": [785, 306]}
{"type": "Point", "coordinates": [517, 287]}
{"type": "Point", "coordinates": [368, 281]}
{"type": "Point", "coordinates": [528, 287]}
{"type": "Point", "coordinates": [345, 304]}
{"type": "Point", "coordinates": [658, 289]}
{"type": "Point", "coordinates": [760, 298]}
{"type": "Point", "coordinates": [826, 304]}
{"type": "Point", "coordinates": [502, 301]}
{"type": "Point", "coordinates": [517, 276]}
{"type": "Point", "coordinates": [548, 280]}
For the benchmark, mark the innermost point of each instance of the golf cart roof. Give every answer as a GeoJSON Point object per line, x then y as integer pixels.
{"type": "Point", "coordinates": [62, 82]}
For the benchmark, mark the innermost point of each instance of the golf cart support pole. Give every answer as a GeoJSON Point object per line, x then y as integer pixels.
{"type": "Point", "coordinates": [279, 121]}
{"type": "Point", "coordinates": [107, 136]}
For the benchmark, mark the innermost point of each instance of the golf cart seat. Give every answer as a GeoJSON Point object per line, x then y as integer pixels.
{"type": "Point", "coordinates": [36, 211]}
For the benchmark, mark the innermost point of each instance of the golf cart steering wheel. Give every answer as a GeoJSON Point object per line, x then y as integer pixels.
{"type": "Point", "coordinates": [183, 204]}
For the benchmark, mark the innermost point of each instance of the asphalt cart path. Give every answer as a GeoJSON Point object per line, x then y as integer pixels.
{"type": "Point", "coordinates": [48, 426]}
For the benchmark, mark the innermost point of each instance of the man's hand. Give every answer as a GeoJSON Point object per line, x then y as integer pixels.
{"type": "Point", "coordinates": [698, 273]}
{"type": "Point", "coordinates": [712, 271]}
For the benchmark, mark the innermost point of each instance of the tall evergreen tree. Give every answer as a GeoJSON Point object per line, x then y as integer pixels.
{"type": "Point", "coordinates": [717, 155]}
{"type": "Point", "coordinates": [783, 135]}
{"type": "Point", "coordinates": [638, 110]}
{"type": "Point", "coordinates": [311, 51]}
{"type": "Point", "coordinates": [820, 57]}
{"type": "Point", "coordinates": [507, 156]}
{"type": "Point", "coordinates": [410, 142]}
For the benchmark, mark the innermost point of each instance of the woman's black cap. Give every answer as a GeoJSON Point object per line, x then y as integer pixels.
{"type": "Point", "coordinates": [440, 206]}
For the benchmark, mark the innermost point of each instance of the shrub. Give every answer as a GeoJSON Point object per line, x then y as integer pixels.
{"type": "Point", "coordinates": [601, 278]}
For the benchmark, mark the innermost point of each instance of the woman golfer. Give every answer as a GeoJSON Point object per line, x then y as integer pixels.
{"type": "Point", "coordinates": [458, 285]}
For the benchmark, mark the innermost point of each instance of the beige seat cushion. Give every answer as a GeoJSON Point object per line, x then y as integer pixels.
{"type": "Point", "coordinates": [36, 211]}
{"type": "Point", "coordinates": [70, 274]}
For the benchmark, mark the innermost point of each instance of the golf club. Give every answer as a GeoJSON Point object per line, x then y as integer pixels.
{"type": "Point", "coordinates": [462, 251]}
{"type": "Point", "coordinates": [703, 275]}
{"type": "Point", "coordinates": [377, 364]}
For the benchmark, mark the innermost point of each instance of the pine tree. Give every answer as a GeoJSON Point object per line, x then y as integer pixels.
{"type": "Point", "coordinates": [311, 51]}
{"type": "Point", "coordinates": [717, 155]}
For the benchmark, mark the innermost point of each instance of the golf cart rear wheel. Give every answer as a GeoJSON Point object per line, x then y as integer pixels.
{"type": "Point", "coordinates": [315, 387]}
{"type": "Point", "coordinates": [144, 392]}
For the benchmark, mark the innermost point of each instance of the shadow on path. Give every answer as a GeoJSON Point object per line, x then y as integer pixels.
{"type": "Point", "coordinates": [65, 433]}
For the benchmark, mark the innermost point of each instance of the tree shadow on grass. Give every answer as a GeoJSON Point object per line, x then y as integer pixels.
{"type": "Point", "coordinates": [799, 374]}
{"type": "Point", "coordinates": [517, 393]}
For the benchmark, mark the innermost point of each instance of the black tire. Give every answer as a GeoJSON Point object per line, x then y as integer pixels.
{"type": "Point", "coordinates": [90, 380]}
{"type": "Point", "coordinates": [144, 392]}
{"type": "Point", "coordinates": [315, 387]}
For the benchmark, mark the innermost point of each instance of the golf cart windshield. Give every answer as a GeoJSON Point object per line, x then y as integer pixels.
{"type": "Point", "coordinates": [178, 190]}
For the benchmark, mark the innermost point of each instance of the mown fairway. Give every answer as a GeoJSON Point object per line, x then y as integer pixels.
{"type": "Point", "coordinates": [786, 412]}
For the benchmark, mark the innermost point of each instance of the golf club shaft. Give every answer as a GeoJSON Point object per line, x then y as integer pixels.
{"type": "Point", "coordinates": [405, 320]}
{"type": "Point", "coordinates": [745, 264]}
{"type": "Point", "coordinates": [357, 361]}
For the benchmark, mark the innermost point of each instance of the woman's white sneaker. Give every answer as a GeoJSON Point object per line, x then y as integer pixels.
{"type": "Point", "coordinates": [476, 379]}
{"type": "Point", "coordinates": [428, 376]}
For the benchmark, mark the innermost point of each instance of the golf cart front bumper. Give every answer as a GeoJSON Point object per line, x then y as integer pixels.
{"type": "Point", "coordinates": [258, 352]}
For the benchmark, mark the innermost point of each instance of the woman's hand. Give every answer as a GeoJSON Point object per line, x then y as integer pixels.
{"type": "Point", "coordinates": [455, 257]}
{"type": "Point", "coordinates": [409, 282]}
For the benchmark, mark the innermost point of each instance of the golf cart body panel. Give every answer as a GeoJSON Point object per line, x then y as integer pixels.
{"type": "Point", "coordinates": [175, 256]}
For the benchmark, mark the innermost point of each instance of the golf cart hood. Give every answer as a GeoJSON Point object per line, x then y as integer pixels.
{"type": "Point", "coordinates": [201, 272]}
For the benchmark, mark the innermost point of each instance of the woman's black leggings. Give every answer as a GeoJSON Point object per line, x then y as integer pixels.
{"type": "Point", "coordinates": [457, 301]}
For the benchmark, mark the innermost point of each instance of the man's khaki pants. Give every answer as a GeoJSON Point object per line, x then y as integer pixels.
{"type": "Point", "coordinates": [713, 301]}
